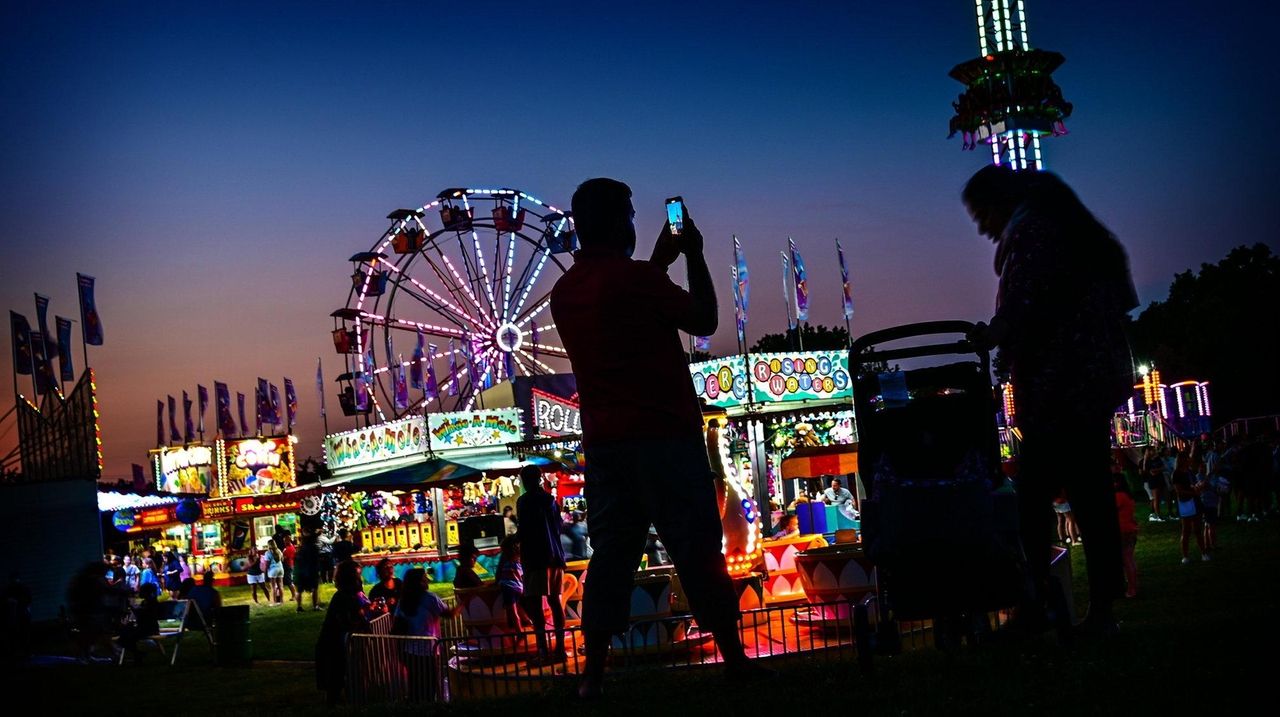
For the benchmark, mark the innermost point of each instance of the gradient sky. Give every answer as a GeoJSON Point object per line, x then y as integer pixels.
{"type": "Point", "coordinates": [215, 167]}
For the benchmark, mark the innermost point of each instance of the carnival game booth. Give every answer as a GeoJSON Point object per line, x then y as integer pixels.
{"type": "Point", "coordinates": [419, 486]}
{"type": "Point", "coordinates": [235, 494]}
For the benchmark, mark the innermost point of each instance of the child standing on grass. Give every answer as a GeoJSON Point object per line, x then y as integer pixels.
{"type": "Point", "coordinates": [1210, 500]}
{"type": "Point", "coordinates": [1128, 533]}
{"type": "Point", "coordinates": [1188, 507]}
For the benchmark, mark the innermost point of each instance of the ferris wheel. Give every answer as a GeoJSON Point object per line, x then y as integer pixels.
{"type": "Point", "coordinates": [452, 299]}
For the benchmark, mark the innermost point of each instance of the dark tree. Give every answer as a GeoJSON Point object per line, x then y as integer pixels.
{"type": "Point", "coordinates": [816, 338]}
{"type": "Point", "coordinates": [1220, 326]}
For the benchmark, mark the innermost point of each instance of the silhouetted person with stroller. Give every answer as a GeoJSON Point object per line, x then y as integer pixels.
{"type": "Point", "coordinates": [1063, 296]}
{"type": "Point", "coordinates": [646, 457]}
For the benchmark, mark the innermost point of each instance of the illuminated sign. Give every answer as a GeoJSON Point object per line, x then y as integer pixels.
{"type": "Point", "coordinates": [475, 428]}
{"type": "Point", "coordinates": [721, 382]}
{"type": "Point", "coordinates": [555, 416]}
{"type": "Point", "coordinates": [251, 504]}
{"type": "Point", "coordinates": [407, 436]}
{"type": "Point", "coordinates": [804, 375]}
{"type": "Point", "coordinates": [773, 378]}
{"type": "Point", "coordinates": [183, 470]}
{"type": "Point", "coordinates": [256, 466]}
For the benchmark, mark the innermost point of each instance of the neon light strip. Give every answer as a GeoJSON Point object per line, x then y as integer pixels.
{"type": "Point", "coordinates": [552, 350]}
{"type": "Point", "coordinates": [465, 286]}
{"type": "Point", "coordinates": [1208, 410]}
{"type": "Point", "coordinates": [982, 28]}
{"type": "Point", "coordinates": [542, 261]}
{"type": "Point", "coordinates": [1022, 24]}
{"type": "Point", "coordinates": [545, 367]}
{"type": "Point", "coordinates": [541, 307]}
{"type": "Point", "coordinates": [1008, 27]}
{"type": "Point", "coordinates": [1035, 146]}
{"type": "Point", "coordinates": [448, 304]}
{"type": "Point", "coordinates": [995, 152]}
{"type": "Point", "coordinates": [1182, 412]}
{"type": "Point", "coordinates": [506, 282]}
{"type": "Point", "coordinates": [475, 241]}
{"type": "Point", "coordinates": [995, 18]}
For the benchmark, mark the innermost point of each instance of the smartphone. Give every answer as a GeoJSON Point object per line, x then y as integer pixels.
{"type": "Point", "coordinates": [675, 215]}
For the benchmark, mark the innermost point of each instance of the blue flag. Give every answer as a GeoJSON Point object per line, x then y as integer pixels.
{"type": "Point", "coordinates": [801, 283]}
{"type": "Point", "coordinates": [847, 297]}
{"type": "Point", "coordinates": [415, 368]}
{"type": "Point", "coordinates": [20, 332]}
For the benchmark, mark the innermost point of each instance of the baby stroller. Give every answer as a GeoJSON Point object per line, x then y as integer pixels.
{"type": "Point", "coordinates": [938, 522]}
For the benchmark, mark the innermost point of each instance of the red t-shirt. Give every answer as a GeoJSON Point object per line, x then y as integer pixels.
{"type": "Point", "coordinates": [289, 552]}
{"type": "Point", "coordinates": [1124, 511]}
{"type": "Point", "coordinates": [620, 319]}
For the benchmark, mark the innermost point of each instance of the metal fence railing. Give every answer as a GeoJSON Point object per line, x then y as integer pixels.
{"type": "Point", "coordinates": [460, 666]}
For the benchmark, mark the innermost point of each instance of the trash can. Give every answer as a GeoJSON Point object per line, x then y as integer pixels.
{"type": "Point", "coordinates": [233, 644]}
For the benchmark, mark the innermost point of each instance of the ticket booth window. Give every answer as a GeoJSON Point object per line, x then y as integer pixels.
{"type": "Point", "coordinates": [209, 538]}
{"type": "Point", "coordinates": [264, 527]}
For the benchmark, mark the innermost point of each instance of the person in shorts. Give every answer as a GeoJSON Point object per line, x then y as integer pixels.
{"type": "Point", "coordinates": [253, 573]}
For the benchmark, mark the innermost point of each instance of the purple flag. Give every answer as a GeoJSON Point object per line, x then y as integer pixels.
{"type": "Point", "coordinates": [533, 338]}
{"type": "Point", "coordinates": [244, 425]}
{"type": "Point", "coordinates": [431, 389]}
{"type": "Point", "coordinates": [159, 422]}
{"type": "Point", "coordinates": [801, 283]}
{"type": "Point", "coordinates": [701, 343]}
{"type": "Point", "coordinates": [847, 298]}
{"type": "Point", "coordinates": [401, 398]}
{"type": "Point", "coordinates": [20, 331]}
{"type": "Point", "coordinates": [45, 380]}
{"type": "Point", "coordinates": [509, 364]}
{"type": "Point", "coordinates": [415, 368]}
{"type": "Point", "coordinates": [273, 416]}
{"type": "Point", "coordinates": [290, 405]}
{"type": "Point", "coordinates": [453, 369]}
{"type": "Point", "coordinates": [320, 385]}
{"type": "Point", "coordinates": [226, 423]}
{"type": "Point", "coordinates": [188, 428]}
{"type": "Point", "coordinates": [174, 436]}
{"type": "Point", "coordinates": [202, 402]}
{"type": "Point", "coordinates": [259, 406]}
{"type": "Point", "coordinates": [90, 323]}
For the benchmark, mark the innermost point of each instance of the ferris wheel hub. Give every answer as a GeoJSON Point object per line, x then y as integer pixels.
{"type": "Point", "coordinates": [508, 337]}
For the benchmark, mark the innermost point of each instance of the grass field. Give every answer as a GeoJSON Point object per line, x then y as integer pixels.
{"type": "Point", "coordinates": [1199, 637]}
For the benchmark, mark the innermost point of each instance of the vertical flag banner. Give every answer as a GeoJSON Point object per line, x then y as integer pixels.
{"type": "Point", "coordinates": [290, 405]}
{"type": "Point", "coordinates": [226, 423]}
{"type": "Point", "coordinates": [202, 402]}
{"type": "Point", "coordinates": [431, 389]}
{"type": "Point", "coordinates": [174, 436]}
{"type": "Point", "coordinates": [786, 289]}
{"type": "Point", "coordinates": [847, 299]}
{"type": "Point", "coordinates": [368, 373]}
{"type": "Point", "coordinates": [453, 368]}
{"type": "Point", "coordinates": [509, 364]}
{"type": "Point", "coordinates": [42, 321]}
{"type": "Point", "coordinates": [320, 385]}
{"type": "Point", "coordinates": [90, 323]}
{"type": "Point", "coordinates": [139, 478]}
{"type": "Point", "coordinates": [744, 285]}
{"type": "Point", "coordinates": [20, 331]}
{"type": "Point", "coordinates": [261, 396]}
{"type": "Point", "coordinates": [40, 360]}
{"type": "Point", "coordinates": [66, 371]}
{"type": "Point", "coordinates": [259, 406]}
{"type": "Point", "coordinates": [391, 356]}
{"type": "Point", "coordinates": [244, 425]}
{"type": "Point", "coordinates": [188, 428]}
{"type": "Point", "coordinates": [738, 320]}
{"type": "Point", "coordinates": [362, 391]}
{"type": "Point", "coordinates": [701, 343]}
{"type": "Point", "coordinates": [159, 422]}
{"type": "Point", "coordinates": [401, 398]}
{"type": "Point", "coordinates": [274, 405]}
{"type": "Point", "coordinates": [415, 368]}
{"type": "Point", "coordinates": [533, 338]}
{"type": "Point", "coordinates": [801, 283]}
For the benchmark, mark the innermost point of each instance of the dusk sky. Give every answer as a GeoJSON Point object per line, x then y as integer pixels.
{"type": "Point", "coordinates": [215, 167]}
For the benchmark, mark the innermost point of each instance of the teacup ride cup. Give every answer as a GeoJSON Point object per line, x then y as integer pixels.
{"type": "Point", "coordinates": [484, 619]}
{"type": "Point", "coordinates": [654, 629]}
{"type": "Point", "coordinates": [835, 579]}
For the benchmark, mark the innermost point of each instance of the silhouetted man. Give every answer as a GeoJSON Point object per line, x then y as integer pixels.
{"type": "Point", "coordinates": [543, 558]}
{"type": "Point", "coordinates": [647, 463]}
